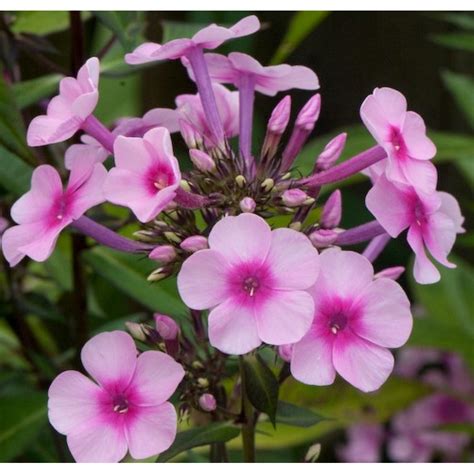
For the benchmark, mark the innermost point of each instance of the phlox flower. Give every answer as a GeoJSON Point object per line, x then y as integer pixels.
{"type": "Point", "coordinates": [254, 280]}
{"type": "Point", "coordinates": [402, 134]}
{"type": "Point", "coordinates": [44, 211]}
{"type": "Point", "coordinates": [355, 319]}
{"type": "Point", "coordinates": [364, 443]}
{"type": "Point", "coordinates": [432, 220]}
{"type": "Point", "coordinates": [209, 37]}
{"type": "Point", "coordinates": [124, 408]}
{"type": "Point", "coordinates": [89, 147]}
{"type": "Point", "coordinates": [146, 174]}
{"type": "Point", "coordinates": [138, 126]}
{"type": "Point", "coordinates": [67, 111]}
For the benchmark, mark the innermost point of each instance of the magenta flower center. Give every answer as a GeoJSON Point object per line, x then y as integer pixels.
{"type": "Point", "coordinates": [251, 285]}
{"type": "Point", "coordinates": [160, 177]}
{"type": "Point", "coordinates": [337, 322]}
{"type": "Point", "coordinates": [120, 404]}
{"type": "Point", "coordinates": [396, 139]}
{"type": "Point", "coordinates": [250, 281]}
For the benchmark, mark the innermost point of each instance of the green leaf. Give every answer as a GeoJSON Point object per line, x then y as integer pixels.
{"type": "Point", "coordinates": [179, 29]}
{"type": "Point", "coordinates": [301, 25]}
{"type": "Point", "coordinates": [42, 22]}
{"type": "Point", "coordinates": [461, 87]}
{"type": "Point", "coordinates": [463, 20]}
{"type": "Point", "coordinates": [213, 433]}
{"type": "Point", "coordinates": [293, 415]}
{"type": "Point", "coordinates": [130, 277]}
{"type": "Point", "coordinates": [261, 385]}
{"type": "Point", "coordinates": [15, 174]}
{"type": "Point", "coordinates": [462, 41]}
{"type": "Point", "coordinates": [117, 23]}
{"type": "Point", "coordinates": [447, 321]}
{"type": "Point", "coordinates": [22, 418]}
{"type": "Point", "coordinates": [30, 92]}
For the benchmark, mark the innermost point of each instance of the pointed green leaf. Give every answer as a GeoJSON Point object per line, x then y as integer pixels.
{"type": "Point", "coordinates": [461, 87]}
{"type": "Point", "coordinates": [30, 92]}
{"type": "Point", "coordinates": [293, 415]}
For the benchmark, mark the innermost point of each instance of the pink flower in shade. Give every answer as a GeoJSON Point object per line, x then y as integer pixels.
{"type": "Point", "coordinates": [355, 320]}
{"type": "Point", "coordinates": [44, 211]}
{"type": "Point", "coordinates": [208, 38]}
{"type": "Point", "coordinates": [432, 220]}
{"type": "Point", "coordinates": [67, 111]}
{"type": "Point", "coordinates": [402, 134]}
{"type": "Point", "coordinates": [137, 127]}
{"type": "Point", "coordinates": [268, 80]}
{"type": "Point", "coordinates": [146, 175]}
{"type": "Point", "coordinates": [254, 280]}
{"type": "Point", "coordinates": [189, 107]}
{"type": "Point", "coordinates": [364, 443]}
{"type": "Point", "coordinates": [127, 407]}
{"type": "Point", "coordinates": [89, 147]}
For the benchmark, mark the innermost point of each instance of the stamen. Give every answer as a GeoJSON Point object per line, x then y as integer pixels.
{"type": "Point", "coordinates": [120, 404]}
{"type": "Point", "coordinates": [251, 284]}
{"type": "Point", "coordinates": [59, 217]}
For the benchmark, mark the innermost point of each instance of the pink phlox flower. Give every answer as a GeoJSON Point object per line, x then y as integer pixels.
{"type": "Point", "coordinates": [67, 111]}
{"type": "Point", "coordinates": [190, 108]}
{"type": "Point", "coordinates": [254, 280]}
{"type": "Point", "coordinates": [402, 134]}
{"type": "Point", "coordinates": [268, 80]}
{"type": "Point", "coordinates": [137, 127]}
{"type": "Point", "coordinates": [356, 319]}
{"type": "Point", "coordinates": [89, 147]}
{"type": "Point", "coordinates": [364, 443]}
{"type": "Point", "coordinates": [146, 173]}
{"type": "Point", "coordinates": [209, 37]}
{"type": "Point", "coordinates": [44, 211]}
{"type": "Point", "coordinates": [432, 220]}
{"type": "Point", "coordinates": [124, 409]}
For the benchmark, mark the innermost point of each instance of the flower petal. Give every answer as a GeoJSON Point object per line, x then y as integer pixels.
{"type": "Point", "coordinates": [450, 207]}
{"type": "Point", "coordinates": [423, 270]}
{"type": "Point", "coordinates": [419, 145]}
{"type": "Point", "coordinates": [131, 153]}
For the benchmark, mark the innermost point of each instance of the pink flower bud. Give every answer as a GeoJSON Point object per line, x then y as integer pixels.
{"type": "Point", "coordinates": [190, 134]}
{"type": "Point", "coordinates": [309, 113]}
{"type": "Point", "coordinates": [280, 116]}
{"type": "Point", "coordinates": [201, 160]}
{"type": "Point", "coordinates": [294, 197]}
{"type": "Point", "coordinates": [163, 253]}
{"type": "Point", "coordinates": [247, 204]}
{"type": "Point", "coordinates": [194, 243]}
{"type": "Point", "coordinates": [285, 352]}
{"type": "Point", "coordinates": [332, 211]}
{"type": "Point", "coordinates": [166, 327]}
{"type": "Point", "coordinates": [331, 153]}
{"type": "Point", "coordinates": [392, 272]}
{"type": "Point", "coordinates": [207, 402]}
{"type": "Point", "coordinates": [323, 237]}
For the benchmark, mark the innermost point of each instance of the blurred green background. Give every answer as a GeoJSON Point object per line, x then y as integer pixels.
{"type": "Point", "coordinates": [427, 56]}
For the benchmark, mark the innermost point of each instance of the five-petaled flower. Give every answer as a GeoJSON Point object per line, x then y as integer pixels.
{"type": "Point", "coordinates": [127, 407]}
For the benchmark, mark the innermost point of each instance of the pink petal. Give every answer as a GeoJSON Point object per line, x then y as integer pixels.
{"type": "Point", "coordinates": [152, 430]}
{"type": "Point", "coordinates": [73, 400]}
{"type": "Point", "coordinates": [393, 105]}
{"type": "Point", "coordinates": [450, 207]}
{"type": "Point", "coordinates": [202, 279]}
{"type": "Point", "coordinates": [232, 328]}
{"type": "Point", "coordinates": [69, 89]}
{"type": "Point", "coordinates": [110, 358]}
{"type": "Point", "coordinates": [85, 104]}
{"type": "Point", "coordinates": [220, 68]}
{"type": "Point", "coordinates": [131, 153]}
{"type": "Point", "coordinates": [423, 270]}
{"type": "Point", "coordinates": [160, 117]}
{"type": "Point", "coordinates": [285, 317]}
{"type": "Point", "coordinates": [174, 49]}
{"type": "Point", "coordinates": [88, 74]}
{"type": "Point", "coordinates": [439, 237]}
{"type": "Point", "coordinates": [419, 145]}
{"type": "Point", "coordinates": [246, 26]}
{"type": "Point", "coordinates": [244, 238]}
{"type": "Point", "coordinates": [160, 139]}
{"type": "Point", "coordinates": [385, 317]}
{"type": "Point", "coordinates": [311, 360]}
{"type": "Point", "coordinates": [212, 36]}
{"type": "Point", "coordinates": [81, 151]}
{"type": "Point", "coordinates": [246, 63]}
{"type": "Point", "coordinates": [156, 378]}
{"type": "Point", "coordinates": [98, 441]}
{"type": "Point", "coordinates": [143, 54]}
{"type": "Point", "coordinates": [363, 364]}
{"type": "Point", "coordinates": [422, 175]}
{"type": "Point", "coordinates": [407, 448]}
{"type": "Point", "coordinates": [293, 260]}
{"type": "Point", "coordinates": [298, 77]}
{"type": "Point", "coordinates": [375, 119]}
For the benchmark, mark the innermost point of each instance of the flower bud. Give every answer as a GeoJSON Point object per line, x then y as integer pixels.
{"type": "Point", "coordinates": [296, 226]}
{"type": "Point", "coordinates": [190, 134]}
{"type": "Point", "coordinates": [194, 243]}
{"type": "Point", "coordinates": [393, 273]}
{"type": "Point", "coordinates": [332, 211]}
{"type": "Point", "coordinates": [145, 235]}
{"type": "Point", "coordinates": [241, 181]}
{"type": "Point", "coordinates": [163, 253]}
{"type": "Point", "coordinates": [184, 185]}
{"type": "Point", "coordinates": [267, 184]}
{"type": "Point", "coordinates": [294, 197]}
{"type": "Point", "coordinates": [280, 116]}
{"type": "Point", "coordinates": [202, 161]}
{"type": "Point", "coordinates": [158, 274]}
{"type": "Point", "coordinates": [166, 327]}
{"type": "Point", "coordinates": [247, 204]}
{"type": "Point", "coordinates": [309, 114]}
{"type": "Point", "coordinates": [323, 237]}
{"type": "Point", "coordinates": [207, 402]}
{"type": "Point", "coordinates": [285, 352]}
{"type": "Point", "coordinates": [331, 153]}
{"type": "Point", "coordinates": [172, 237]}
{"type": "Point", "coordinates": [136, 331]}
{"type": "Point", "coordinates": [203, 382]}
{"type": "Point", "coordinates": [313, 453]}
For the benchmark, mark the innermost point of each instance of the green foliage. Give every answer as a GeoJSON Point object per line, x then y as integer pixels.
{"type": "Point", "coordinates": [293, 415]}
{"type": "Point", "coordinates": [179, 29]}
{"type": "Point", "coordinates": [126, 26]}
{"type": "Point", "coordinates": [42, 22]}
{"type": "Point", "coordinates": [461, 41]}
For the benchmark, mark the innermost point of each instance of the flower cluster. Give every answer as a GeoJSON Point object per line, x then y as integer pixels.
{"type": "Point", "coordinates": [292, 287]}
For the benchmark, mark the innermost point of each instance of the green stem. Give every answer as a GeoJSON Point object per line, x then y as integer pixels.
{"type": "Point", "coordinates": [248, 426]}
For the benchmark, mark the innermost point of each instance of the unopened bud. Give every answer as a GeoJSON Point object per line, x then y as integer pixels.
{"type": "Point", "coordinates": [136, 331]}
{"type": "Point", "coordinates": [267, 184]}
{"type": "Point", "coordinates": [241, 181]}
{"type": "Point", "coordinates": [163, 254]}
{"type": "Point", "coordinates": [393, 273]}
{"type": "Point", "coordinates": [247, 204]}
{"type": "Point", "coordinates": [145, 235]}
{"type": "Point", "coordinates": [309, 113]}
{"type": "Point", "coordinates": [202, 382]}
{"type": "Point", "coordinates": [285, 352]}
{"type": "Point", "coordinates": [185, 186]}
{"type": "Point", "coordinates": [332, 211]}
{"type": "Point", "coordinates": [197, 365]}
{"type": "Point", "coordinates": [280, 116]}
{"type": "Point", "coordinates": [294, 197]}
{"type": "Point", "coordinates": [207, 402]}
{"type": "Point", "coordinates": [158, 274]}
{"type": "Point", "coordinates": [172, 237]}
{"type": "Point", "coordinates": [313, 453]}
{"type": "Point", "coordinates": [166, 327]}
{"type": "Point", "coordinates": [202, 161]}
{"type": "Point", "coordinates": [331, 153]}
{"type": "Point", "coordinates": [189, 134]}
{"type": "Point", "coordinates": [194, 243]}
{"type": "Point", "coordinates": [323, 237]}
{"type": "Point", "coordinates": [297, 225]}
